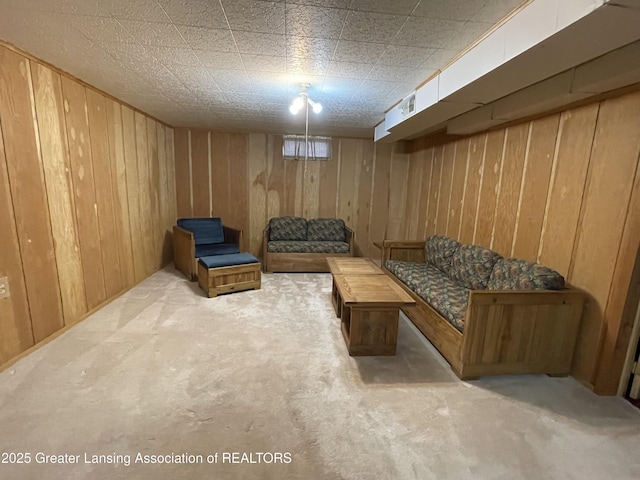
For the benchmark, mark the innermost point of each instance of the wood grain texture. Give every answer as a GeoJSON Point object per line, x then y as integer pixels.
{"type": "Point", "coordinates": [444, 193]}
{"type": "Point", "coordinates": [16, 333]}
{"type": "Point", "coordinates": [84, 188]}
{"type": "Point", "coordinates": [311, 190]}
{"type": "Point", "coordinates": [182, 149]}
{"type": "Point", "coordinates": [488, 190]}
{"type": "Point", "coordinates": [458, 188]}
{"type": "Point", "coordinates": [239, 186]}
{"type": "Point", "coordinates": [475, 169]}
{"type": "Point", "coordinates": [144, 194]}
{"type": "Point", "coordinates": [409, 225]}
{"type": "Point", "coordinates": [171, 174]}
{"type": "Point", "coordinates": [399, 175]}
{"type": "Point", "coordinates": [293, 170]}
{"type": "Point", "coordinates": [275, 181]}
{"type": "Point", "coordinates": [609, 185]}
{"type": "Point", "coordinates": [165, 223]}
{"type": "Point", "coordinates": [101, 161]}
{"type": "Point", "coordinates": [258, 174]}
{"type": "Point", "coordinates": [154, 194]}
{"type": "Point", "coordinates": [380, 196]}
{"type": "Point", "coordinates": [133, 192]}
{"type": "Point", "coordinates": [328, 188]}
{"type": "Point", "coordinates": [566, 189]}
{"type": "Point", "coordinates": [425, 155]}
{"type": "Point", "coordinates": [535, 187]}
{"type": "Point", "coordinates": [28, 193]}
{"type": "Point", "coordinates": [346, 191]}
{"type": "Point", "coordinates": [119, 192]}
{"type": "Point", "coordinates": [509, 188]}
{"type": "Point", "coordinates": [434, 192]}
{"type": "Point", "coordinates": [220, 181]}
{"type": "Point", "coordinates": [364, 190]}
{"type": "Point", "coordinates": [200, 150]}
{"type": "Point", "coordinates": [57, 170]}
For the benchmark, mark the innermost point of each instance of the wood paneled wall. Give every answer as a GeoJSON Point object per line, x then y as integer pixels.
{"type": "Point", "coordinates": [244, 179]}
{"type": "Point", "coordinates": [562, 190]}
{"type": "Point", "coordinates": [87, 199]}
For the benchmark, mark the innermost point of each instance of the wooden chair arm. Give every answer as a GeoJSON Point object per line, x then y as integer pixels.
{"type": "Point", "coordinates": [407, 250]}
{"type": "Point", "coordinates": [184, 251]}
{"type": "Point", "coordinates": [232, 235]}
{"type": "Point", "coordinates": [350, 237]}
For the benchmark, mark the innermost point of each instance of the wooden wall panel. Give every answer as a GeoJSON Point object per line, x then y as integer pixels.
{"type": "Point", "coordinates": [293, 170]}
{"type": "Point", "coordinates": [380, 196]}
{"type": "Point", "coordinates": [134, 193]}
{"type": "Point", "coordinates": [398, 177]}
{"type": "Point", "coordinates": [328, 188]}
{"type": "Point", "coordinates": [55, 158]}
{"type": "Point", "coordinates": [220, 168]}
{"type": "Point", "coordinates": [200, 162]}
{"type": "Point", "coordinates": [165, 222]}
{"type": "Point", "coordinates": [154, 194]}
{"type": "Point", "coordinates": [409, 227]}
{"type": "Point", "coordinates": [574, 141]}
{"type": "Point", "coordinates": [448, 164]}
{"type": "Point", "coordinates": [363, 189]}
{"type": "Point", "coordinates": [346, 191]}
{"type": "Point", "coordinates": [425, 154]}
{"type": "Point", "coordinates": [458, 188]}
{"type": "Point", "coordinates": [28, 192]}
{"type": "Point", "coordinates": [311, 190]}
{"type": "Point", "coordinates": [275, 182]}
{"type": "Point", "coordinates": [101, 161]}
{"type": "Point", "coordinates": [119, 191]}
{"type": "Point", "coordinates": [171, 175]}
{"type": "Point", "coordinates": [144, 193]}
{"type": "Point", "coordinates": [182, 149]}
{"type": "Point", "coordinates": [607, 194]}
{"type": "Point", "coordinates": [66, 245]}
{"type": "Point", "coordinates": [434, 191]}
{"type": "Point", "coordinates": [239, 187]}
{"type": "Point", "coordinates": [493, 157]}
{"type": "Point", "coordinates": [258, 186]}
{"type": "Point", "coordinates": [472, 188]}
{"type": "Point", "coordinates": [509, 188]}
{"type": "Point", "coordinates": [16, 333]}
{"type": "Point", "coordinates": [535, 187]}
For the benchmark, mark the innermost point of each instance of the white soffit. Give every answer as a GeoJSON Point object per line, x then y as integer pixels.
{"type": "Point", "coordinates": [543, 39]}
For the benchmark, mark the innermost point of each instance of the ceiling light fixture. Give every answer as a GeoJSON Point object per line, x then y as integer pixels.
{"type": "Point", "coordinates": [301, 101]}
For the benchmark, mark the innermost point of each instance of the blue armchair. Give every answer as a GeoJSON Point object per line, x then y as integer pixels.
{"type": "Point", "coordinates": [202, 237]}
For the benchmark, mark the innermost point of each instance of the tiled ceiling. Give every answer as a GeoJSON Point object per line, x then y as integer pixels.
{"type": "Point", "coordinates": [237, 64]}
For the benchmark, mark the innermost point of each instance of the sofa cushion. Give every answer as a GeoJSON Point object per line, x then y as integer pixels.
{"type": "Point", "coordinates": [439, 250]}
{"type": "Point", "coordinates": [307, 247]}
{"type": "Point", "coordinates": [445, 295]}
{"type": "Point", "coordinates": [205, 230]}
{"type": "Point", "coordinates": [515, 274]}
{"type": "Point", "coordinates": [471, 266]}
{"type": "Point", "coordinates": [216, 249]}
{"type": "Point", "coordinates": [326, 229]}
{"type": "Point", "coordinates": [287, 228]}
{"type": "Point", "coordinates": [216, 261]}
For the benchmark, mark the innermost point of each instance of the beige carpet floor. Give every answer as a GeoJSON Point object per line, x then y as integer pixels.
{"type": "Point", "coordinates": [263, 380]}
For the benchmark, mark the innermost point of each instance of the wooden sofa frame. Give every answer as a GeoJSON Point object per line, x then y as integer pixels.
{"type": "Point", "coordinates": [184, 249]}
{"type": "Point", "coordinates": [506, 332]}
{"type": "Point", "coordinates": [300, 262]}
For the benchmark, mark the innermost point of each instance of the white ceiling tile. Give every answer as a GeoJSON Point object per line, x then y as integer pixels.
{"type": "Point", "coordinates": [231, 80]}
{"type": "Point", "coordinates": [469, 33]}
{"type": "Point", "coordinates": [260, 43]}
{"type": "Point", "coordinates": [199, 38]}
{"type": "Point", "coordinates": [220, 60]}
{"type": "Point", "coordinates": [198, 13]}
{"type": "Point", "coordinates": [427, 32]}
{"type": "Point", "coordinates": [398, 7]}
{"type": "Point", "coordinates": [323, 3]}
{"type": "Point", "coordinates": [307, 21]}
{"type": "Point", "coordinates": [152, 33]}
{"type": "Point", "coordinates": [390, 73]}
{"type": "Point", "coordinates": [450, 9]}
{"type": "Point", "coordinates": [349, 70]}
{"type": "Point", "coordinates": [264, 63]}
{"type": "Point", "coordinates": [252, 16]}
{"type": "Point", "coordinates": [495, 10]}
{"type": "Point", "coordinates": [405, 56]}
{"type": "Point", "coordinates": [144, 10]}
{"type": "Point", "coordinates": [376, 87]}
{"type": "Point", "coordinates": [439, 58]}
{"type": "Point", "coordinates": [308, 47]}
{"type": "Point", "coordinates": [371, 27]}
{"type": "Point", "coordinates": [174, 55]}
{"type": "Point", "coordinates": [101, 29]}
{"type": "Point", "coordinates": [307, 66]}
{"type": "Point", "coordinates": [87, 7]}
{"type": "Point", "coordinates": [358, 52]}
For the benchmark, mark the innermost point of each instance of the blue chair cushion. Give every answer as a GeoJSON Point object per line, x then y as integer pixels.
{"type": "Point", "coordinates": [227, 260]}
{"type": "Point", "coordinates": [216, 249]}
{"type": "Point", "coordinates": [205, 230]}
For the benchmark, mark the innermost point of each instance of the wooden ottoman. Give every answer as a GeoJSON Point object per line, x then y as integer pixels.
{"type": "Point", "coordinates": [228, 273]}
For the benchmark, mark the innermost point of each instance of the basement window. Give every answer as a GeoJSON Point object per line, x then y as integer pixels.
{"type": "Point", "coordinates": [318, 148]}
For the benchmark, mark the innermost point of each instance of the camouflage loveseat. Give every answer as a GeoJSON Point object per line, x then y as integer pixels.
{"type": "Point", "coordinates": [295, 244]}
{"type": "Point", "coordinates": [487, 314]}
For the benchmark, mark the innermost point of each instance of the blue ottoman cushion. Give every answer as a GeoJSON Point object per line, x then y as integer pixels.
{"type": "Point", "coordinates": [215, 261]}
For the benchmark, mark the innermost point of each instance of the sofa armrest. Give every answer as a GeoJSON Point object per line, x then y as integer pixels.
{"type": "Point", "coordinates": [350, 238]}
{"type": "Point", "coordinates": [184, 251]}
{"type": "Point", "coordinates": [232, 235]}
{"type": "Point", "coordinates": [406, 250]}
{"type": "Point", "coordinates": [511, 331]}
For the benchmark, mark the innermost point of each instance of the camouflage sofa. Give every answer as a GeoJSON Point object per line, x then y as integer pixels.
{"type": "Point", "coordinates": [295, 244]}
{"type": "Point", "coordinates": [487, 314]}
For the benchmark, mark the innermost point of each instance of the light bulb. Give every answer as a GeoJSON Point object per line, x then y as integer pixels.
{"type": "Point", "coordinates": [293, 109]}
{"type": "Point", "coordinates": [298, 102]}
{"type": "Point", "coordinates": [317, 107]}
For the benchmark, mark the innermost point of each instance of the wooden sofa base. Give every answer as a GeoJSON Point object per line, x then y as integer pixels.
{"type": "Point", "coordinates": [532, 332]}
{"type": "Point", "coordinates": [298, 262]}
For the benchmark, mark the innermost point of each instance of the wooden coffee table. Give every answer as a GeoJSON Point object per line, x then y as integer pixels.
{"type": "Point", "coordinates": [349, 266]}
{"type": "Point", "coordinates": [370, 308]}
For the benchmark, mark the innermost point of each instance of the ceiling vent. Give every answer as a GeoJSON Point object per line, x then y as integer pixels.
{"type": "Point", "coordinates": [408, 105]}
